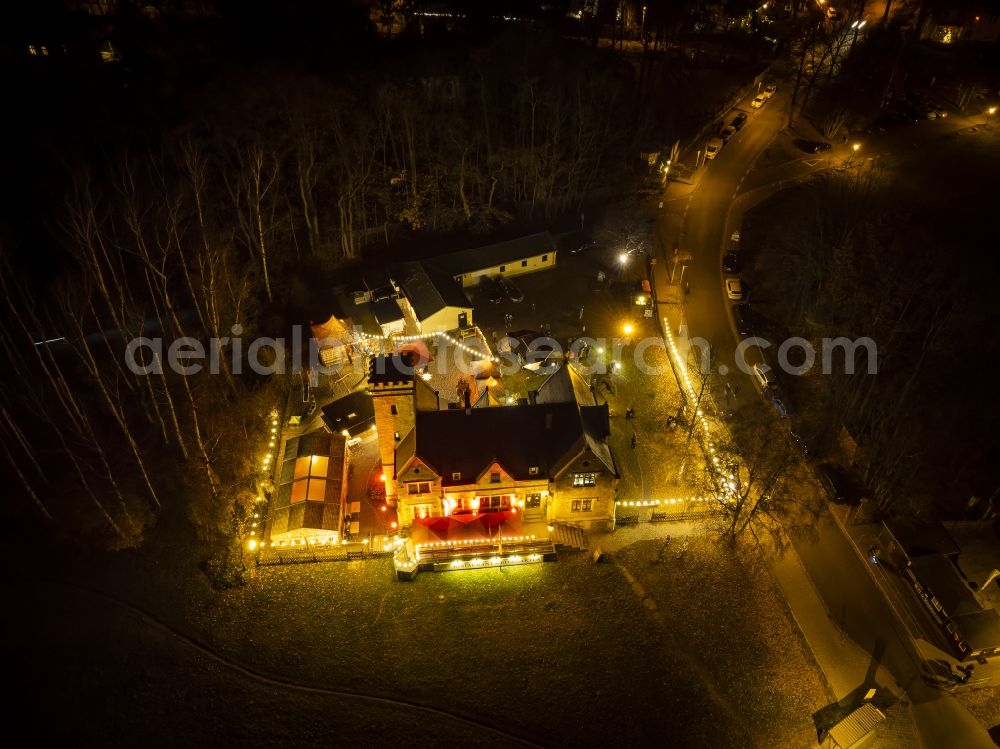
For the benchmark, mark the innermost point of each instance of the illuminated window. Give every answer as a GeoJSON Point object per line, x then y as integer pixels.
{"type": "Point", "coordinates": [310, 478]}
{"type": "Point", "coordinates": [499, 502]}
{"type": "Point", "coordinates": [32, 50]}
{"type": "Point", "coordinates": [533, 470]}
{"type": "Point", "coordinates": [584, 479]}
{"type": "Point", "coordinates": [421, 511]}
{"type": "Point", "coordinates": [581, 505]}
{"type": "Point", "coordinates": [456, 475]}
{"type": "Point", "coordinates": [418, 487]}
{"type": "Point", "coordinates": [532, 501]}
{"type": "Point", "coordinates": [44, 50]}
{"type": "Point", "coordinates": [495, 477]}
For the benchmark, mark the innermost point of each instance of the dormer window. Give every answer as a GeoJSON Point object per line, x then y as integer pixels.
{"type": "Point", "coordinates": [533, 470]}
{"type": "Point", "coordinates": [495, 477]}
{"type": "Point", "coordinates": [456, 475]}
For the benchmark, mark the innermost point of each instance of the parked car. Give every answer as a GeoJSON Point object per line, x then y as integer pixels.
{"type": "Point", "coordinates": [727, 133]}
{"type": "Point", "coordinates": [837, 484]}
{"type": "Point", "coordinates": [743, 316]}
{"type": "Point", "coordinates": [583, 248]}
{"type": "Point", "coordinates": [810, 146]}
{"type": "Point", "coordinates": [738, 121]}
{"type": "Point", "coordinates": [940, 111]}
{"type": "Point", "coordinates": [730, 263]}
{"type": "Point", "coordinates": [777, 400]}
{"type": "Point", "coordinates": [770, 90]}
{"type": "Point", "coordinates": [510, 289]}
{"type": "Point", "coordinates": [734, 289]}
{"type": "Point", "coordinates": [491, 289]}
{"type": "Point", "coordinates": [759, 101]}
{"type": "Point", "coordinates": [713, 148]}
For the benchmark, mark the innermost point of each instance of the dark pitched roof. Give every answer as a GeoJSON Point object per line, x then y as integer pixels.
{"type": "Point", "coordinates": [469, 441]}
{"type": "Point", "coordinates": [386, 311]}
{"type": "Point", "coordinates": [980, 630]}
{"type": "Point", "coordinates": [938, 573]}
{"type": "Point", "coordinates": [428, 292]}
{"type": "Point", "coordinates": [565, 385]}
{"type": "Point", "coordinates": [496, 254]}
{"type": "Point", "coordinates": [354, 412]}
{"type": "Point", "coordinates": [922, 537]}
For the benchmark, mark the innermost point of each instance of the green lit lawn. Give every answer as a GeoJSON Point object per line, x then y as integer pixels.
{"type": "Point", "coordinates": [563, 654]}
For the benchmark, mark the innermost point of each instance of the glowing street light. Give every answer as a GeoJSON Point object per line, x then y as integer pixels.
{"type": "Point", "coordinates": [856, 147]}
{"type": "Point", "coordinates": [989, 113]}
{"type": "Point", "coordinates": [628, 329]}
{"type": "Point", "coordinates": [623, 258]}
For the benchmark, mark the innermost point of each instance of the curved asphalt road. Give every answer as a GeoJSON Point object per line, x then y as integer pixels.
{"type": "Point", "coordinates": [712, 212]}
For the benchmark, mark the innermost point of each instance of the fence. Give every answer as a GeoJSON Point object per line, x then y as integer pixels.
{"type": "Point", "coordinates": [314, 553]}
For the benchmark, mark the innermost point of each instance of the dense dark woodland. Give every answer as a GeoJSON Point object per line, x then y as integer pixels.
{"type": "Point", "coordinates": [217, 166]}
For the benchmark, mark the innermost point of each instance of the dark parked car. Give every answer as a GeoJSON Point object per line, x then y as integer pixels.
{"type": "Point", "coordinates": [510, 289]}
{"type": "Point", "coordinates": [727, 133]}
{"type": "Point", "coordinates": [730, 263]}
{"type": "Point", "coordinates": [743, 316]}
{"type": "Point", "coordinates": [738, 121]}
{"type": "Point", "coordinates": [491, 289]}
{"type": "Point", "coordinates": [583, 248]}
{"type": "Point", "coordinates": [778, 401]}
{"type": "Point", "coordinates": [810, 146]}
{"type": "Point", "coordinates": [838, 485]}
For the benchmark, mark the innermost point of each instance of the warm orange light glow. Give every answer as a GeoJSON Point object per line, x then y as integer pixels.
{"type": "Point", "coordinates": [628, 329]}
{"type": "Point", "coordinates": [382, 477]}
{"type": "Point", "coordinates": [393, 524]}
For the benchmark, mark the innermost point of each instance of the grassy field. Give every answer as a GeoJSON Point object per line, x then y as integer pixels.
{"type": "Point", "coordinates": [562, 654]}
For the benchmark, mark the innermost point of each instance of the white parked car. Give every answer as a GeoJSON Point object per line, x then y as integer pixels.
{"type": "Point", "coordinates": [734, 289]}
{"type": "Point", "coordinates": [770, 90]}
{"type": "Point", "coordinates": [713, 148]}
{"type": "Point", "coordinates": [759, 101]}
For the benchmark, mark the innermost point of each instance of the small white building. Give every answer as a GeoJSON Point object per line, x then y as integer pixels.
{"type": "Point", "coordinates": [431, 302]}
{"type": "Point", "coordinates": [514, 257]}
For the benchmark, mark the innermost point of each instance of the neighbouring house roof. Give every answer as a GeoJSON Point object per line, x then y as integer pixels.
{"type": "Point", "coordinates": [486, 399]}
{"type": "Point", "coordinates": [918, 537]}
{"type": "Point", "coordinates": [428, 292]}
{"type": "Point", "coordinates": [937, 573]}
{"type": "Point", "coordinates": [469, 441]}
{"type": "Point", "coordinates": [387, 311]}
{"type": "Point", "coordinates": [980, 544]}
{"type": "Point", "coordinates": [565, 385]}
{"type": "Point", "coordinates": [980, 630]}
{"type": "Point", "coordinates": [354, 412]}
{"type": "Point", "coordinates": [480, 258]}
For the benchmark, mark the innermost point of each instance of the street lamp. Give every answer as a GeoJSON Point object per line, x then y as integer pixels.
{"type": "Point", "coordinates": [628, 328]}
{"type": "Point", "coordinates": [989, 113]}
{"type": "Point", "coordinates": [623, 258]}
{"type": "Point", "coordinates": [856, 147]}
